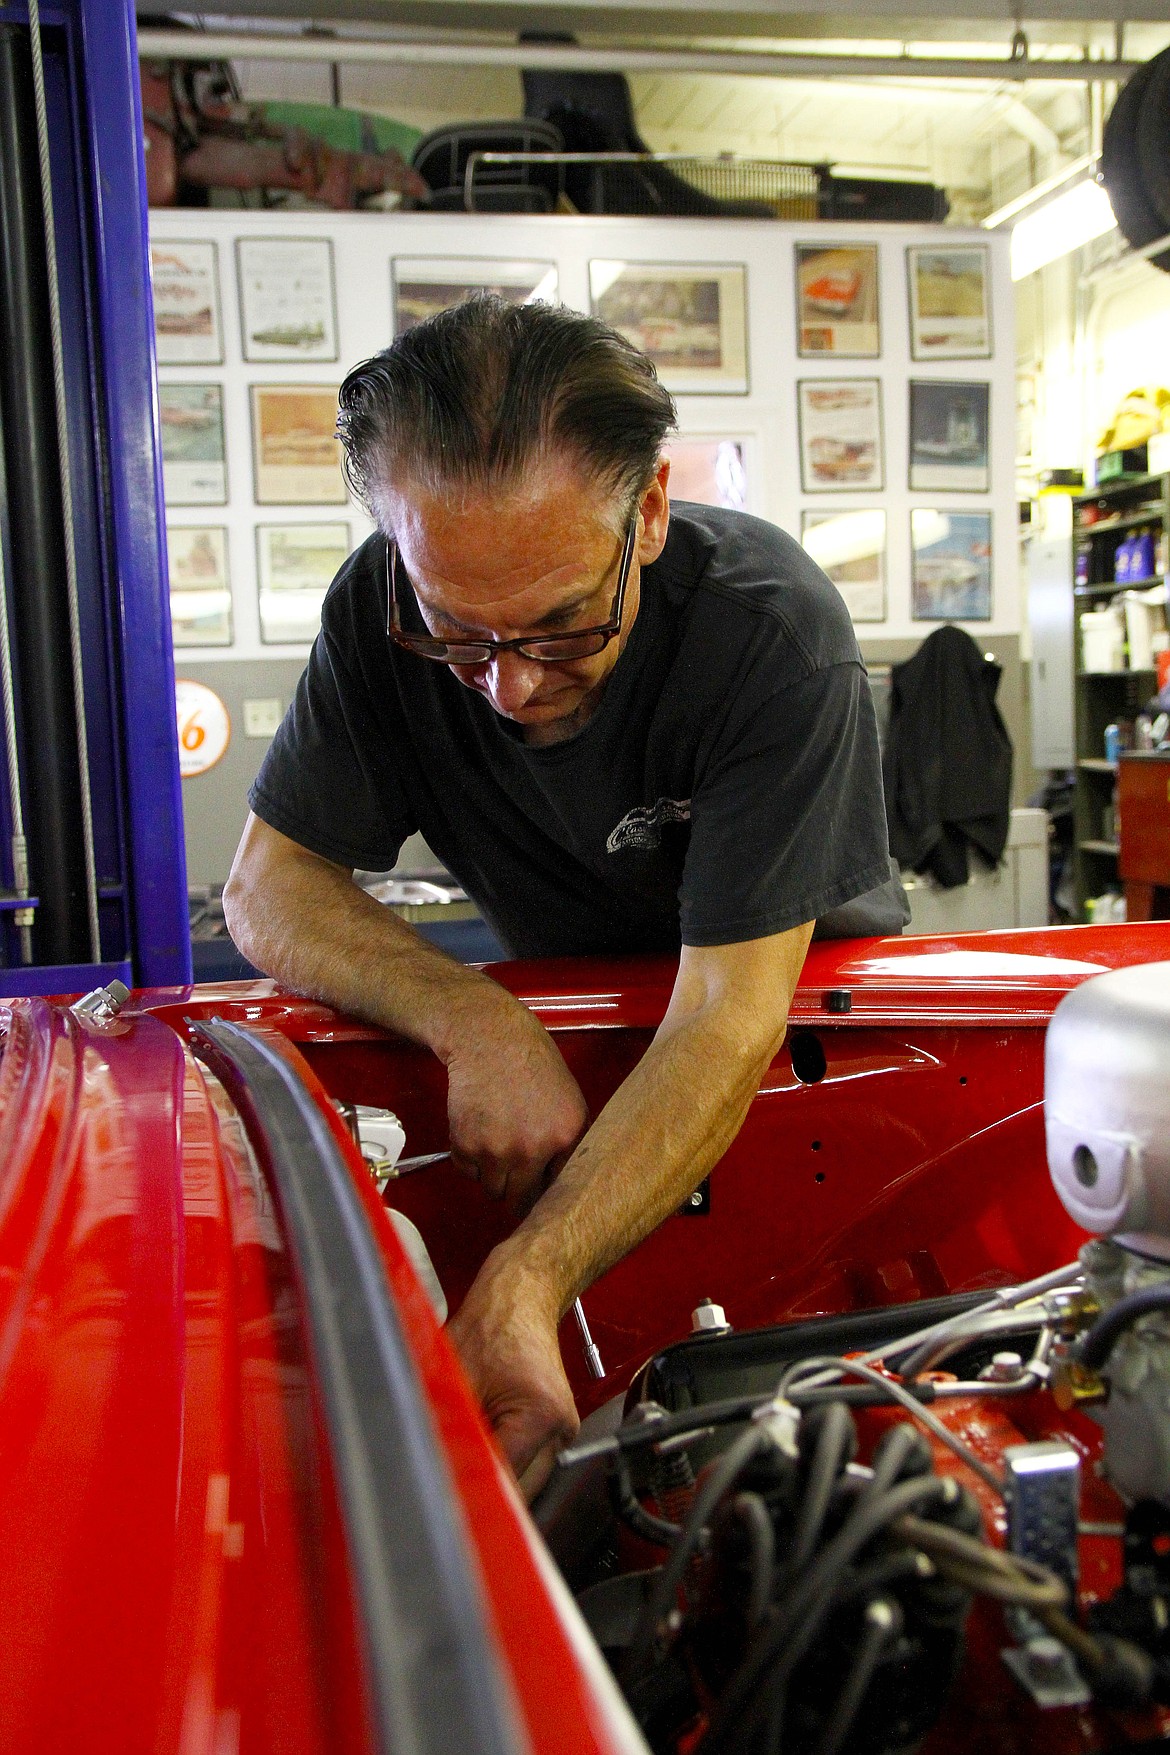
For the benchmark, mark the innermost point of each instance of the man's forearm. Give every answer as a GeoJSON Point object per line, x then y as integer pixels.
{"type": "Point", "coordinates": [665, 1127]}
{"type": "Point", "coordinates": [312, 928]}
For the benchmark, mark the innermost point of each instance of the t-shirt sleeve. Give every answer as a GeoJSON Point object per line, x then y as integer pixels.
{"type": "Point", "coordinates": [787, 818]}
{"type": "Point", "coordinates": [329, 780]}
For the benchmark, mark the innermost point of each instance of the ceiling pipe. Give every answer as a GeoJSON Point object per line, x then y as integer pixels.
{"type": "Point", "coordinates": [167, 45]}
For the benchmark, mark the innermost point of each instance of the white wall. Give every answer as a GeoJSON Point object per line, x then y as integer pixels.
{"type": "Point", "coordinates": [766, 417]}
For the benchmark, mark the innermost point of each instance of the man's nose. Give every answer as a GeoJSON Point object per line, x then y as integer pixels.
{"type": "Point", "coordinates": [511, 680]}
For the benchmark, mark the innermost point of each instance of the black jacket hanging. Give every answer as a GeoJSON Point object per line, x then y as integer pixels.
{"type": "Point", "coordinates": [948, 759]}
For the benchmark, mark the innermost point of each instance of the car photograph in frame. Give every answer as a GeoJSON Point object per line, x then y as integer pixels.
{"type": "Point", "coordinates": [188, 327]}
{"type": "Point", "coordinates": [201, 598]}
{"type": "Point", "coordinates": [194, 461]}
{"type": "Point", "coordinates": [850, 547]}
{"type": "Point", "coordinates": [295, 449]}
{"type": "Point", "coordinates": [837, 310]}
{"type": "Point", "coordinates": [288, 309]}
{"type": "Point", "coordinates": [950, 303]}
{"type": "Point", "coordinates": [840, 423]}
{"type": "Point", "coordinates": [708, 471]}
{"type": "Point", "coordinates": [295, 566]}
{"type": "Point", "coordinates": [949, 425]}
{"type": "Point", "coordinates": [422, 286]}
{"type": "Point", "coordinates": [690, 318]}
{"type": "Point", "coordinates": [950, 571]}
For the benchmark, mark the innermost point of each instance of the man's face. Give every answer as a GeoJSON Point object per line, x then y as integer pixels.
{"type": "Point", "coordinates": [543, 559]}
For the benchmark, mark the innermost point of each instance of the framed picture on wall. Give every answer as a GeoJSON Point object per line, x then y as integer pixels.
{"type": "Point", "coordinates": [850, 546]}
{"type": "Point", "coordinates": [287, 305]}
{"type": "Point", "coordinates": [188, 330]}
{"type": "Point", "coordinates": [194, 460]}
{"type": "Point", "coordinates": [421, 286]}
{"type": "Point", "coordinates": [295, 449]}
{"type": "Point", "coordinates": [708, 471]}
{"type": "Point", "coordinates": [295, 566]}
{"type": "Point", "coordinates": [840, 435]}
{"type": "Point", "coordinates": [689, 317]}
{"type": "Point", "coordinates": [201, 598]}
{"type": "Point", "coordinates": [950, 574]}
{"type": "Point", "coordinates": [950, 304]}
{"type": "Point", "coordinates": [837, 300]}
{"type": "Point", "coordinates": [949, 436]}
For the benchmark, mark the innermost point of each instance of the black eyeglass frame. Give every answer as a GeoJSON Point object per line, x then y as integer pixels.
{"type": "Point", "coordinates": [432, 646]}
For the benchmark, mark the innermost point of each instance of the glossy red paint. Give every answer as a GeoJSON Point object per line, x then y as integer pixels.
{"type": "Point", "coordinates": [176, 1576]}
{"type": "Point", "coordinates": [175, 1571]}
{"type": "Point", "coordinates": [913, 1166]}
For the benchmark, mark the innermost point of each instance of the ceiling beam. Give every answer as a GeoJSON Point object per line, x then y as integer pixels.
{"type": "Point", "coordinates": [578, 58]}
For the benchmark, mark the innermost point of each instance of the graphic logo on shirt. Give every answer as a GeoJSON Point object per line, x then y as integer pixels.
{"type": "Point", "coordinates": [642, 827]}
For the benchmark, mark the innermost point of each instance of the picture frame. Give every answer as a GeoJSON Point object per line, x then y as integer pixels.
{"type": "Point", "coordinates": [288, 303]}
{"type": "Point", "coordinates": [296, 454]}
{"type": "Point", "coordinates": [950, 565]}
{"type": "Point", "coordinates": [188, 318]}
{"type": "Point", "coordinates": [422, 286]}
{"type": "Point", "coordinates": [194, 456]}
{"type": "Point", "coordinates": [841, 435]}
{"type": "Point", "coordinates": [838, 303]}
{"type": "Point", "coordinates": [689, 318]}
{"type": "Point", "coordinates": [950, 425]}
{"type": "Point", "coordinates": [850, 547]}
{"type": "Point", "coordinates": [709, 469]}
{"type": "Point", "coordinates": [949, 288]}
{"type": "Point", "coordinates": [200, 585]}
{"type": "Point", "coordinates": [295, 566]}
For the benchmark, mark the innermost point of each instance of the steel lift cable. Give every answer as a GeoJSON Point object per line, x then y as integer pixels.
{"type": "Point", "coordinates": [23, 917]}
{"type": "Point", "coordinates": [91, 895]}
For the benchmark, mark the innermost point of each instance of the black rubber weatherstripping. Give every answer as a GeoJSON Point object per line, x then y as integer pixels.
{"type": "Point", "coordinates": [435, 1683]}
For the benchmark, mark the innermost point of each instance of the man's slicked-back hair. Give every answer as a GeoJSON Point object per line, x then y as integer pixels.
{"type": "Point", "coordinates": [475, 397]}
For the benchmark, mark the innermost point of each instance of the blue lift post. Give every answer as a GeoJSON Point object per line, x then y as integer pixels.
{"type": "Point", "coordinates": [95, 780]}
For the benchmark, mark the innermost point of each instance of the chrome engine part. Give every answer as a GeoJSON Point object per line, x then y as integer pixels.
{"type": "Point", "coordinates": [1107, 1116]}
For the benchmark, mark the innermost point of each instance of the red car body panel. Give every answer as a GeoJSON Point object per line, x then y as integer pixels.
{"type": "Point", "coordinates": [177, 1575]}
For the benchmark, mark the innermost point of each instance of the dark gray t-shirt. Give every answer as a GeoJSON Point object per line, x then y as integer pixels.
{"type": "Point", "coordinates": [726, 787]}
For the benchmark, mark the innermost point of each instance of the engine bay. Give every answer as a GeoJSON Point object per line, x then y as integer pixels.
{"type": "Point", "coordinates": [941, 1525]}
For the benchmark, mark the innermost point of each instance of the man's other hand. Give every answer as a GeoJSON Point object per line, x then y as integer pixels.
{"type": "Point", "coordinates": [506, 1334]}
{"type": "Point", "coordinates": [514, 1109]}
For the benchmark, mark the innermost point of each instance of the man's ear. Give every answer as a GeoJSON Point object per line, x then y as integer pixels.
{"type": "Point", "coordinates": [655, 510]}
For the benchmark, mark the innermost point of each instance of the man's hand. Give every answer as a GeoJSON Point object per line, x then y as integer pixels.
{"type": "Point", "coordinates": [506, 1334]}
{"type": "Point", "coordinates": [515, 1110]}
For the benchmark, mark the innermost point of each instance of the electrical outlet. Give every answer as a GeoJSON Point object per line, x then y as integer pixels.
{"type": "Point", "coordinates": [262, 718]}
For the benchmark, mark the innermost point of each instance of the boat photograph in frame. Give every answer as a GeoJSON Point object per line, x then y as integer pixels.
{"type": "Point", "coordinates": [295, 449]}
{"type": "Point", "coordinates": [201, 598]}
{"type": "Point", "coordinates": [950, 306]}
{"type": "Point", "coordinates": [188, 329]}
{"type": "Point", "coordinates": [840, 435]}
{"type": "Point", "coordinates": [949, 436]}
{"type": "Point", "coordinates": [850, 546]}
{"type": "Point", "coordinates": [690, 318]}
{"type": "Point", "coordinates": [287, 305]}
{"type": "Point", "coordinates": [295, 566]}
{"type": "Point", "coordinates": [837, 301]}
{"type": "Point", "coordinates": [422, 286]}
{"type": "Point", "coordinates": [191, 429]}
{"type": "Point", "coordinates": [950, 573]}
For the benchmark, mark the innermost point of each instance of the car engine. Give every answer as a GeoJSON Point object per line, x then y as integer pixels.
{"type": "Point", "coordinates": [941, 1525]}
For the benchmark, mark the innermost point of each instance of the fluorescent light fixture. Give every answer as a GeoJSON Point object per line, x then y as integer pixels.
{"type": "Point", "coordinates": [1062, 224]}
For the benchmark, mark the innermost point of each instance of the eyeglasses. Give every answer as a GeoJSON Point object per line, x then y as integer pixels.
{"type": "Point", "coordinates": [543, 648]}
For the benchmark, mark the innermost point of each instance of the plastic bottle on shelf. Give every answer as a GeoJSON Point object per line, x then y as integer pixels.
{"type": "Point", "coordinates": [1141, 565]}
{"type": "Point", "coordinates": [1123, 561]}
{"type": "Point", "coordinates": [1081, 567]}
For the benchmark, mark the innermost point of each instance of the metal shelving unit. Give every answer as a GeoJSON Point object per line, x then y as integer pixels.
{"type": "Point", "coordinates": [1103, 697]}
